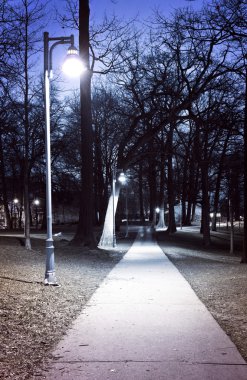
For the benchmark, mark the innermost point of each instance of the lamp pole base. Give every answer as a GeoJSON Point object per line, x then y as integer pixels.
{"type": "Point", "coordinates": [50, 277]}
{"type": "Point", "coordinates": [50, 280]}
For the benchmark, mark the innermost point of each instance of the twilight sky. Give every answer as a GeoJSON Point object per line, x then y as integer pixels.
{"type": "Point", "coordinates": [125, 9]}
{"type": "Point", "coordinates": [130, 8]}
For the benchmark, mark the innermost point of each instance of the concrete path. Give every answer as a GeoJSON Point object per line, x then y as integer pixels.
{"type": "Point", "coordinates": [145, 323]}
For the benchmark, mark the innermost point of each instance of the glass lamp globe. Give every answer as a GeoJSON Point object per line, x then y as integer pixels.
{"type": "Point", "coordinates": [73, 65]}
{"type": "Point", "coordinates": [122, 178]}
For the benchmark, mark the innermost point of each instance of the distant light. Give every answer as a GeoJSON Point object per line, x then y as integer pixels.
{"type": "Point", "coordinates": [16, 201]}
{"type": "Point", "coordinates": [73, 65]}
{"type": "Point", "coordinates": [36, 202]}
{"type": "Point", "coordinates": [157, 210]}
{"type": "Point", "coordinates": [122, 178]}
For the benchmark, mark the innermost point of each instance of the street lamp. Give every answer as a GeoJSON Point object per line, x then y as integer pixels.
{"type": "Point", "coordinates": [122, 180]}
{"type": "Point", "coordinates": [113, 207]}
{"type": "Point", "coordinates": [157, 215]}
{"type": "Point", "coordinates": [181, 213]}
{"type": "Point", "coordinates": [16, 201]}
{"type": "Point", "coordinates": [73, 63]}
{"type": "Point", "coordinates": [36, 202]}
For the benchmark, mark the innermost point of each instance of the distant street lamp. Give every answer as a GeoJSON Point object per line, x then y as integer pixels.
{"type": "Point", "coordinates": [74, 67]}
{"type": "Point", "coordinates": [36, 202]}
{"type": "Point", "coordinates": [157, 215]}
{"type": "Point", "coordinates": [113, 208]}
{"type": "Point", "coordinates": [16, 201]}
{"type": "Point", "coordinates": [122, 180]}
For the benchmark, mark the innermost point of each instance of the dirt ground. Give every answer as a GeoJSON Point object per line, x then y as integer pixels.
{"type": "Point", "coordinates": [33, 317]}
{"type": "Point", "coordinates": [218, 279]}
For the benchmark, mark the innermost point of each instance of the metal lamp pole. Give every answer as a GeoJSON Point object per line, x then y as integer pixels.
{"type": "Point", "coordinates": [181, 213]}
{"type": "Point", "coordinates": [122, 180]}
{"type": "Point", "coordinates": [113, 206]}
{"type": "Point", "coordinates": [36, 202]}
{"type": "Point", "coordinates": [50, 277]}
{"type": "Point", "coordinates": [127, 212]}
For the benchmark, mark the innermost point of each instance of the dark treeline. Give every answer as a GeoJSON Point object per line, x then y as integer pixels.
{"type": "Point", "coordinates": [168, 108]}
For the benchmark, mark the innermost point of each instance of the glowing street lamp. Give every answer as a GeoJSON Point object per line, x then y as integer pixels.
{"type": "Point", "coordinates": [122, 180]}
{"type": "Point", "coordinates": [74, 66]}
{"type": "Point", "coordinates": [113, 207]}
{"type": "Point", "coordinates": [36, 202]}
{"type": "Point", "coordinates": [15, 201]}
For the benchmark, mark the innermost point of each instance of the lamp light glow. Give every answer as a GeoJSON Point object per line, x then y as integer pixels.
{"type": "Point", "coordinates": [73, 66]}
{"type": "Point", "coordinates": [122, 178]}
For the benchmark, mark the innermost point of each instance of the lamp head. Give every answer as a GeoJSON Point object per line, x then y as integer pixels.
{"type": "Point", "coordinates": [122, 178]}
{"type": "Point", "coordinates": [73, 66]}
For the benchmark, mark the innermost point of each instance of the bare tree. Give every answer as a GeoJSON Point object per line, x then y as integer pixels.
{"type": "Point", "coordinates": [26, 20]}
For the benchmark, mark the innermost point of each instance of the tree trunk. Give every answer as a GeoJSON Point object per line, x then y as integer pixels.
{"type": "Point", "coordinates": [161, 222]}
{"type": "Point", "coordinates": [4, 187]}
{"type": "Point", "coordinates": [140, 182]}
{"type": "Point", "coordinates": [85, 233]}
{"type": "Point", "coordinates": [205, 204]}
{"type": "Point", "coordinates": [152, 188]}
{"type": "Point", "coordinates": [192, 189]}
{"type": "Point", "coordinates": [170, 184]}
{"type": "Point", "coordinates": [194, 178]}
{"type": "Point", "coordinates": [244, 253]}
{"type": "Point", "coordinates": [231, 226]}
{"type": "Point", "coordinates": [184, 193]}
{"type": "Point", "coordinates": [218, 182]}
{"type": "Point", "coordinates": [100, 188]}
{"type": "Point", "coordinates": [26, 145]}
{"type": "Point", "coordinates": [26, 207]}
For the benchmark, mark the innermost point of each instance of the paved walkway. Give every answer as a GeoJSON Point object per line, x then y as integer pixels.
{"type": "Point", "coordinates": [146, 323]}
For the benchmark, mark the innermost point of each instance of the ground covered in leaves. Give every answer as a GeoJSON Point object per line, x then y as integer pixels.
{"type": "Point", "coordinates": [33, 317]}
{"type": "Point", "coordinates": [216, 276]}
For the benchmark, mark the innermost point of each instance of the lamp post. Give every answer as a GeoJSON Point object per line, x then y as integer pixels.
{"type": "Point", "coordinates": [181, 213]}
{"type": "Point", "coordinates": [157, 214]}
{"type": "Point", "coordinates": [74, 64]}
{"type": "Point", "coordinates": [36, 202]}
{"type": "Point", "coordinates": [16, 201]}
{"type": "Point", "coordinates": [122, 180]}
{"type": "Point", "coordinates": [113, 207]}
